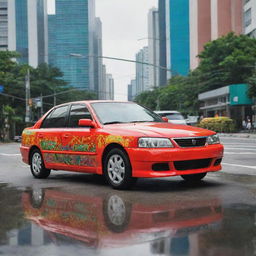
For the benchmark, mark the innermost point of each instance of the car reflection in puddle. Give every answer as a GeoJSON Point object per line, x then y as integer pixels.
{"type": "Point", "coordinates": [103, 222]}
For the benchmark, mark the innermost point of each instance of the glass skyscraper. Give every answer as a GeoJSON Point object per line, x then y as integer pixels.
{"type": "Point", "coordinates": [21, 21]}
{"type": "Point", "coordinates": [69, 40]}
{"type": "Point", "coordinates": [27, 35]}
{"type": "Point", "coordinates": [178, 44]}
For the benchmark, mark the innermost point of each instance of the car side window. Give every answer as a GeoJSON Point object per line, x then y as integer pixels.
{"type": "Point", "coordinates": [77, 112]}
{"type": "Point", "coordinates": [57, 118]}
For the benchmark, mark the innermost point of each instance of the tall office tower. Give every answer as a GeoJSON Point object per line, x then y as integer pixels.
{"type": "Point", "coordinates": [98, 61]}
{"type": "Point", "coordinates": [226, 16]}
{"type": "Point", "coordinates": [249, 24]}
{"type": "Point", "coordinates": [143, 71]}
{"type": "Point", "coordinates": [109, 87]}
{"type": "Point", "coordinates": [3, 25]}
{"type": "Point", "coordinates": [153, 46]}
{"type": "Point", "coordinates": [200, 28]}
{"type": "Point", "coordinates": [71, 41]}
{"type": "Point", "coordinates": [177, 37]}
{"type": "Point", "coordinates": [162, 42]}
{"type": "Point", "coordinates": [103, 90]}
{"type": "Point", "coordinates": [211, 19]}
{"type": "Point", "coordinates": [131, 90]}
{"type": "Point", "coordinates": [27, 30]}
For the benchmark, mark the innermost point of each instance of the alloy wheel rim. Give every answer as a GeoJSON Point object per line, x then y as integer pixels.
{"type": "Point", "coordinates": [116, 169]}
{"type": "Point", "coordinates": [36, 163]}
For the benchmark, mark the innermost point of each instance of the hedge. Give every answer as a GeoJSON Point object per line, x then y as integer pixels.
{"type": "Point", "coordinates": [218, 124]}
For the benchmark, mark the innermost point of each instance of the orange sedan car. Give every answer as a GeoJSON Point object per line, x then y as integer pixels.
{"type": "Point", "coordinates": [120, 140]}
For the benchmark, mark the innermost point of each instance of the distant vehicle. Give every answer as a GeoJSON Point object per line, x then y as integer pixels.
{"type": "Point", "coordinates": [174, 117]}
{"type": "Point", "coordinates": [17, 138]}
{"type": "Point", "coordinates": [192, 120]}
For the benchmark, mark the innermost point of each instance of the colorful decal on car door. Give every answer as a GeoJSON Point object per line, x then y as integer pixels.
{"type": "Point", "coordinates": [79, 160]}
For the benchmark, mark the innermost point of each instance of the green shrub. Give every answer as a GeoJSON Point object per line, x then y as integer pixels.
{"type": "Point", "coordinates": [218, 124]}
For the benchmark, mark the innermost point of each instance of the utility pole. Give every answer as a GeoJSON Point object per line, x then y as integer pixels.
{"type": "Point", "coordinates": [27, 90]}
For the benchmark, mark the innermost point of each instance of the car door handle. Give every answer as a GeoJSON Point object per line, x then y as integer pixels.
{"type": "Point", "coordinates": [40, 135]}
{"type": "Point", "coordinates": [66, 136]}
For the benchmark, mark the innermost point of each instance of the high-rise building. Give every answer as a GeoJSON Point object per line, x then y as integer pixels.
{"type": "Point", "coordinates": [143, 82]}
{"type": "Point", "coordinates": [3, 25]}
{"type": "Point", "coordinates": [71, 41]}
{"type": "Point", "coordinates": [177, 37]}
{"type": "Point", "coordinates": [153, 47]}
{"type": "Point", "coordinates": [132, 90]}
{"type": "Point", "coordinates": [226, 16]}
{"type": "Point", "coordinates": [211, 19]}
{"type": "Point", "coordinates": [200, 28]}
{"type": "Point", "coordinates": [109, 87]}
{"type": "Point", "coordinates": [98, 79]}
{"type": "Point", "coordinates": [27, 30]}
{"type": "Point", "coordinates": [249, 21]}
{"type": "Point", "coordinates": [162, 42]}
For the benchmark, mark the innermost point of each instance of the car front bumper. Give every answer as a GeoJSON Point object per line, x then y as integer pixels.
{"type": "Point", "coordinates": [143, 159]}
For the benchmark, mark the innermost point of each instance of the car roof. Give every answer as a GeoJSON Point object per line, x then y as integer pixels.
{"type": "Point", "coordinates": [94, 101]}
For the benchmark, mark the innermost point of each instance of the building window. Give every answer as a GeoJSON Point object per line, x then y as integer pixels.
{"type": "Point", "coordinates": [248, 17]}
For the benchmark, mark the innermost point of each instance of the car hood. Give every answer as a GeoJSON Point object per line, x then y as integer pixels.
{"type": "Point", "coordinates": [158, 130]}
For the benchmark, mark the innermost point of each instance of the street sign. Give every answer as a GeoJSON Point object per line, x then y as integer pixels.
{"type": "Point", "coordinates": [1, 88]}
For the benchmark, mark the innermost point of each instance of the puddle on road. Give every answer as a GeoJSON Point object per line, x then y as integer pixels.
{"type": "Point", "coordinates": [59, 221]}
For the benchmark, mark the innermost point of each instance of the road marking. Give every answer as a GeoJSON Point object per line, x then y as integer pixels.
{"type": "Point", "coordinates": [239, 153]}
{"type": "Point", "coordinates": [239, 165]}
{"type": "Point", "coordinates": [4, 154]}
{"type": "Point", "coordinates": [246, 144]}
{"type": "Point", "coordinates": [241, 148]}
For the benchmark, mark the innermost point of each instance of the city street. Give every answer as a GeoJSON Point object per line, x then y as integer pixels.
{"type": "Point", "coordinates": [79, 214]}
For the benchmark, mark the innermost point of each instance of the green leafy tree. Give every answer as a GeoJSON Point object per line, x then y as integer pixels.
{"type": "Point", "coordinates": [228, 60]}
{"type": "Point", "coordinates": [149, 99]}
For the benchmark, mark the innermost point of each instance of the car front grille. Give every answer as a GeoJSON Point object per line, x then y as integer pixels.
{"type": "Point", "coordinates": [191, 142]}
{"type": "Point", "coordinates": [192, 164]}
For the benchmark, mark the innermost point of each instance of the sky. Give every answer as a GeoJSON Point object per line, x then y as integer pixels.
{"type": "Point", "coordinates": [124, 22]}
{"type": "Point", "coordinates": [125, 29]}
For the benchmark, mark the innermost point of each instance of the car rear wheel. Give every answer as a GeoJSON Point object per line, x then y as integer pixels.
{"type": "Point", "coordinates": [194, 177]}
{"type": "Point", "coordinates": [117, 169]}
{"type": "Point", "coordinates": [37, 167]}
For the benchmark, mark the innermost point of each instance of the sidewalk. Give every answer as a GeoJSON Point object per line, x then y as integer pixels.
{"type": "Point", "coordinates": [239, 135]}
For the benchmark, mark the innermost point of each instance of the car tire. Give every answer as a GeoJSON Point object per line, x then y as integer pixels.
{"type": "Point", "coordinates": [194, 177]}
{"type": "Point", "coordinates": [118, 170]}
{"type": "Point", "coordinates": [37, 167]}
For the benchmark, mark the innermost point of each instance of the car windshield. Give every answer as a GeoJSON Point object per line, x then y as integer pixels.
{"type": "Point", "coordinates": [174, 116]}
{"type": "Point", "coordinates": [122, 112]}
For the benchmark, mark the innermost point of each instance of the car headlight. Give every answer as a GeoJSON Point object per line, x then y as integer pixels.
{"type": "Point", "coordinates": [154, 143]}
{"type": "Point", "coordinates": [213, 139]}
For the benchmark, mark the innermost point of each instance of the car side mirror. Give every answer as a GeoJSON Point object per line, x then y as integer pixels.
{"type": "Point", "coordinates": [165, 119]}
{"type": "Point", "coordinates": [86, 123]}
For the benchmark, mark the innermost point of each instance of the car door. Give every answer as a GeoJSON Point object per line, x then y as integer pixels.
{"type": "Point", "coordinates": [50, 137]}
{"type": "Point", "coordinates": [79, 142]}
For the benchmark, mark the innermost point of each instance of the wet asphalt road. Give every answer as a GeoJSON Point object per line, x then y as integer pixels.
{"type": "Point", "coordinates": [78, 214]}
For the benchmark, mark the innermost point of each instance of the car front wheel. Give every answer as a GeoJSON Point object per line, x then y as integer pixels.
{"type": "Point", "coordinates": [117, 169]}
{"type": "Point", "coordinates": [37, 167]}
{"type": "Point", "coordinates": [194, 177]}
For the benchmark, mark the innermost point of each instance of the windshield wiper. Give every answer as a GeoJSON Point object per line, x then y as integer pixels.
{"type": "Point", "coordinates": [113, 122]}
